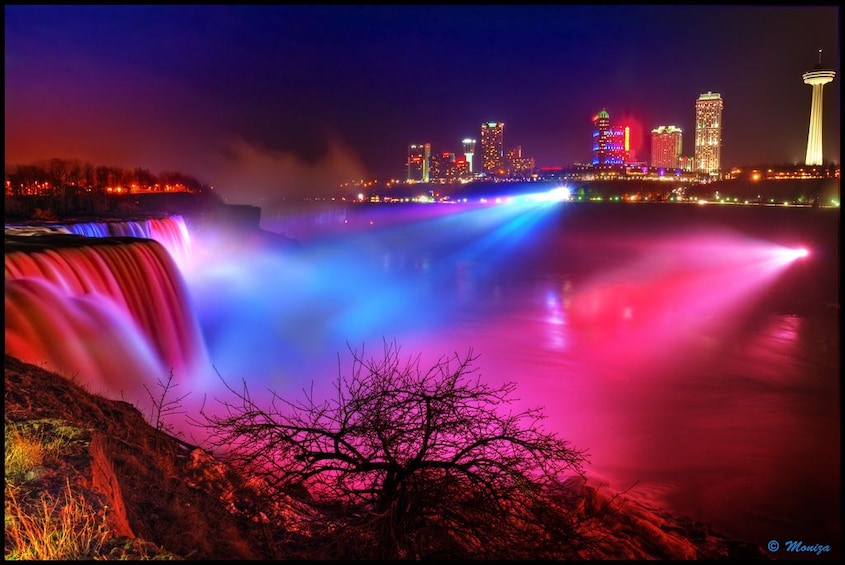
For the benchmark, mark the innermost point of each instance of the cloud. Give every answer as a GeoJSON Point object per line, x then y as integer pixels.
{"type": "Point", "coordinates": [247, 173]}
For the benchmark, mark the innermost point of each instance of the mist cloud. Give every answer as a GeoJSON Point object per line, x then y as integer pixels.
{"type": "Point", "coordinates": [250, 174]}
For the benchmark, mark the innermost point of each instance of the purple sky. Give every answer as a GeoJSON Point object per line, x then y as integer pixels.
{"type": "Point", "coordinates": [261, 100]}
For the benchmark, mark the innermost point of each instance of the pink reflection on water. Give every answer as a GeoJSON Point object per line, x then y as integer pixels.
{"type": "Point", "coordinates": [668, 296]}
{"type": "Point", "coordinates": [677, 376]}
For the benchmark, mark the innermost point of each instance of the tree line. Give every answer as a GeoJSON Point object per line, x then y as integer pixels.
{"type": "Point", "coordinates": [67, 186]}
{"type": "Point", "coordinates": [57, 174]}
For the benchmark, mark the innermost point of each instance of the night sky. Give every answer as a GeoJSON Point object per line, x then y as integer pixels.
{"type": "Point", "coordinates": [269, 100]}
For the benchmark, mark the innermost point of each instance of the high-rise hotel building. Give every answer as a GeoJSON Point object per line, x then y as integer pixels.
{"type": "Point", "coordinates": [492, 148]}
{"type": "Point", "coordinates": [608, 141]}
{"type": "Point", "coordinates": [666, 144]}
{"type": "Point", "coordinates": [516, 163]}
{"type": "Point", "coordinates": [419, 161]}
{"type": "Point", "coordinates": [708, 133]}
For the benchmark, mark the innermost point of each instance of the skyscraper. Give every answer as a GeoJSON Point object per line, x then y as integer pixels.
{"type": "Point", "coordinates": [608, 141]}
{"type": "Point", "coordinates": [708, 133]}
{"type": "Point", "coordinates": [419, 161]}
{"type": "Point", "coordinates": [817, 78]}
{"type": "Point", "coordinates": [492, 148]}
{"type": "Point", "coordinates": [443, 167]}
{"type": "Point", "coordinates": [469, 151]}
{"type": "Point", "coordinates": [516, 163]}
{"type": "Point", "coordinates": [666, 144]}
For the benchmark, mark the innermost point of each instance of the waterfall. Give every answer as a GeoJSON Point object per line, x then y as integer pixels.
{"type": "Point", "coordinates": [104, 304]}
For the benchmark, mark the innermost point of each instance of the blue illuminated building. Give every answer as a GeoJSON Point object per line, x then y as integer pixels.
{"type": "Point", "coordinates": [608, 141]}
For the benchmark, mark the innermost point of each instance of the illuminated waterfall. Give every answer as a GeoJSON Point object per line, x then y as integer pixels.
{"type": "Point", "coordinates": [171, 232]}
{"type": "Point", "coordinates": [111, 311]}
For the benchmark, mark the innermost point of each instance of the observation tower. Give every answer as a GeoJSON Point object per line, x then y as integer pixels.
{"type": "Point", "coordinates": [817, 78]}
{"type": "Point", "coordinates": [469, 151]}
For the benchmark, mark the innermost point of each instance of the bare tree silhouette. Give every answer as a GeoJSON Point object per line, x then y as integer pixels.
{"type": "Point", "coordinates": [410, 464]}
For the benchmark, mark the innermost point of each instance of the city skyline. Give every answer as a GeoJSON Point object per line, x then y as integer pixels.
{"type": "Point", "coordinates": [262, 101]}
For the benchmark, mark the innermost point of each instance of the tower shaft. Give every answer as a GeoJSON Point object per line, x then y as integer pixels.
{"type": "Point", "coordinates": [814, 137]}
{"type": "Point", "coordinates": [817, 78]}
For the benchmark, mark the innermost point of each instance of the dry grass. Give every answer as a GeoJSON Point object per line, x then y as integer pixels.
{"type": "Point", "coordinates": [46, 519]}
{"type": "Point", "coordinates": [39, 525]}
{"type": "Point", "coordinates": [62, 527]}
{"type": "Point", "coordinates": [32, 445]}
{"type": "Point", "coordinates": [23, 454]}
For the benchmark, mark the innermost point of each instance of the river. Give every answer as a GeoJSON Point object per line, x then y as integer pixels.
{"type": "Point", "coordinates": [680, 344]}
